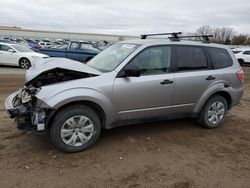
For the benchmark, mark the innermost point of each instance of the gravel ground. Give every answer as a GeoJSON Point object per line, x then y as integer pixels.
{"type": "Point", "coordinates": [175, 153]}
{"type": "Point", "coordinates": [11, 70]}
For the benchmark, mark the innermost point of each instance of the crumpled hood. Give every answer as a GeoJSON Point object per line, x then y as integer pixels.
{"type": "Point", "coordinates": [41, 65]}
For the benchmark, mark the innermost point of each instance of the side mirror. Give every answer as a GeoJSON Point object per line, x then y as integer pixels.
{"type": "Point", "coordinates": [132, 71]}
{"type": "Point", "coordinates": [11, 50]}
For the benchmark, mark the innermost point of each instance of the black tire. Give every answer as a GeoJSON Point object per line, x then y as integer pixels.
{"type": "Point", "coordinates": [24, 63]}
{"type": "Point", "coordinates": [65, 114]}
{"type": "Point", "coordinates": [203, 118]}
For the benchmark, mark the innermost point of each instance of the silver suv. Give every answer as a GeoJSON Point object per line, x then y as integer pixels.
{"type": "Point", "coordinates": [130, 82]}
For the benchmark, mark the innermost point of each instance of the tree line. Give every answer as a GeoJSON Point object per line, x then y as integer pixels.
{"type": "Point", "coordinates": [224, 35]}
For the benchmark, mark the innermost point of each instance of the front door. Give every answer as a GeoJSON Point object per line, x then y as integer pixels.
{"type": "Point", "coordinates": [149, 95]}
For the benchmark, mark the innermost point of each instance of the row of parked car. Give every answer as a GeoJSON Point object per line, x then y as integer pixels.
{"type": "Point", "coordinates": [22, 52]}
{"type": "Point", "coordinates": [36, 44]}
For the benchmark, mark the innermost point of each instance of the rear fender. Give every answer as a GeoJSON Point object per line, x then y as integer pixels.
{"type": "Point", "coordinates": [216, 87]}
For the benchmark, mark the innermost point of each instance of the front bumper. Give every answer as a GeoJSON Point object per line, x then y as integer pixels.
{"type": "Point", "coordinates": [26, 116]}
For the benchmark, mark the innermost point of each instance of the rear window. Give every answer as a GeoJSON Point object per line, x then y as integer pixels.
{"type": "Point", "coordinates": [191, 58]}
{"type": "Point", "coordinates": [220, 57]}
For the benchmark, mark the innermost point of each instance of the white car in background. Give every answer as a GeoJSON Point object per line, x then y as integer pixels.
{"type": "Point", "coordinates": [45, 44]}
{"type": "Point", "coordinates": [18, 55]}
{"type": "Point", "coordinates": [243, 55]}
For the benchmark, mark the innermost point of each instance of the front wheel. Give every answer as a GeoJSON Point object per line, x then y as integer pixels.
{"type": "Point", "coordinates": [75, 128]}
{"type": "Point", "coordinates": [214, 112]}
{"type": "Point", "coordinates": [24, 63]}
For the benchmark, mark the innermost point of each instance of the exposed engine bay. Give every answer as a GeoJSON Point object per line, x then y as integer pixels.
{"type": "Point", "coordinates": [56, 75]}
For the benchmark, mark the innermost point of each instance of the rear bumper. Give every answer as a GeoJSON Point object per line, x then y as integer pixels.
{"type": "Point", "coordinates": [236, 96]}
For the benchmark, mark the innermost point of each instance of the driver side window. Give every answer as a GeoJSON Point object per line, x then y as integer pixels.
{"type": "Point", "coordinates": [153, 60]}
{"type": "Point", "coordinates": [74, 45]}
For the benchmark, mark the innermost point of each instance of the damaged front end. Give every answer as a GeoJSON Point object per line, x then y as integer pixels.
{"type": "Point", "coordinates": [30, 112]}
{"type": "Point", "coordinates": [26, 109]}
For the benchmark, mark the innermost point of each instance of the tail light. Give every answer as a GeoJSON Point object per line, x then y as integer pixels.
{"type": "Point", "coordinates": [240, 75]}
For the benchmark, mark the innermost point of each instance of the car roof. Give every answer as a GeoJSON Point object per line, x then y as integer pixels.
{"type": "Point", "coordinates": [168, 41]}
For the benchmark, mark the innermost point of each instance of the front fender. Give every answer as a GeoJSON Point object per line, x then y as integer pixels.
{"type": "Point", "coordinates": [59, 99]}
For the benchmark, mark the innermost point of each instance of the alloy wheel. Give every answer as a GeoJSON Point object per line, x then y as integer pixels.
{"type": "Point", "coordinates": [216, 112]}
{"type": "Point", "coordinates": [77, 130]}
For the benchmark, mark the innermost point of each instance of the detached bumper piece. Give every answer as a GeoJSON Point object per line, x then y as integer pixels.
{"type": "Point", "coordinates": [26, 116]}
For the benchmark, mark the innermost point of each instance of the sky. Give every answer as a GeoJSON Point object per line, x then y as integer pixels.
{"type": "Point", "coordinates": [127, 17]}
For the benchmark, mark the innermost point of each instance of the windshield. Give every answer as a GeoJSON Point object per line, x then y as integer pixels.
{"type": "Point", "coordinates": [110, 58]}
{"type": "Point", "coordinates": [21, 48]}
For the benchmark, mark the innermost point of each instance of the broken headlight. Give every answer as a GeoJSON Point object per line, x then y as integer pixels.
{"type": "Point", "coordinates": [27, 94]}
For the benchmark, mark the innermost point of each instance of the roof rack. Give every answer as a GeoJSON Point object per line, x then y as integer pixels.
{"type": "Point", "coordinates": [175, 36]}
{"type": "Point", "coordinates": [204, 37]}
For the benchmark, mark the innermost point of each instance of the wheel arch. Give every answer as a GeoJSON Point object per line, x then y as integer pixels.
{"type": "Point", "coordinates": [19, 61]}
{"type": "Point", "coordinates": [222, 91]}
{"type": "Point", "coordinates": [96, 107]}
{"type": "Point", "coordinates": [22, 58]}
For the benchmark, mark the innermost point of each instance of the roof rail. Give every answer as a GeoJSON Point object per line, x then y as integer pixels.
{"type": "Point", "coordinates": [174, 35]}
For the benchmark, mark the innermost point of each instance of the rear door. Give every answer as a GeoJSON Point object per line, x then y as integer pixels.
{"type": "Point", "coordinates": [192, 78]}
{"type": "Point", "coordinates": [149, 95]}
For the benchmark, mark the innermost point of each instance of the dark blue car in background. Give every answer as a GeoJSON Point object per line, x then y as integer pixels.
{"type": "Point", "coordinates": [79, 51]}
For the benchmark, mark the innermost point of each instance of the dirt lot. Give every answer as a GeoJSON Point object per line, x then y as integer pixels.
{"type": "Point", "coordinates": [174, 153]}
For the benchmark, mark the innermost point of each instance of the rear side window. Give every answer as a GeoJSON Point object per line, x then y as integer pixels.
{"type": "Point", "coordinates": [191, 58]}
{"type": "Point", "coordinates": [220, 57]}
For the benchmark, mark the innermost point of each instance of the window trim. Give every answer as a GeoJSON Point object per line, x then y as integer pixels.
{"type": "Point", "coordinates": [209, 64]}
{"type": "Point", "coordinates": [171, 70]}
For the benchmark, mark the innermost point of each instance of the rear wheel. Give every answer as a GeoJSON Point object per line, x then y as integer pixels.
{"type": "Point", "coordinates": [75, 128]}
{"type": "Point", "coordinates": [24, 63]}
{"type": "Point", "coordinates": [214, 112]}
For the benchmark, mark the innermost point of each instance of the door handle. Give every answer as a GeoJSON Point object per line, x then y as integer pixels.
{"type": "Point", "coordinates": [210, 78]}
{"type": "Point", "coordinates": [164, 82]}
